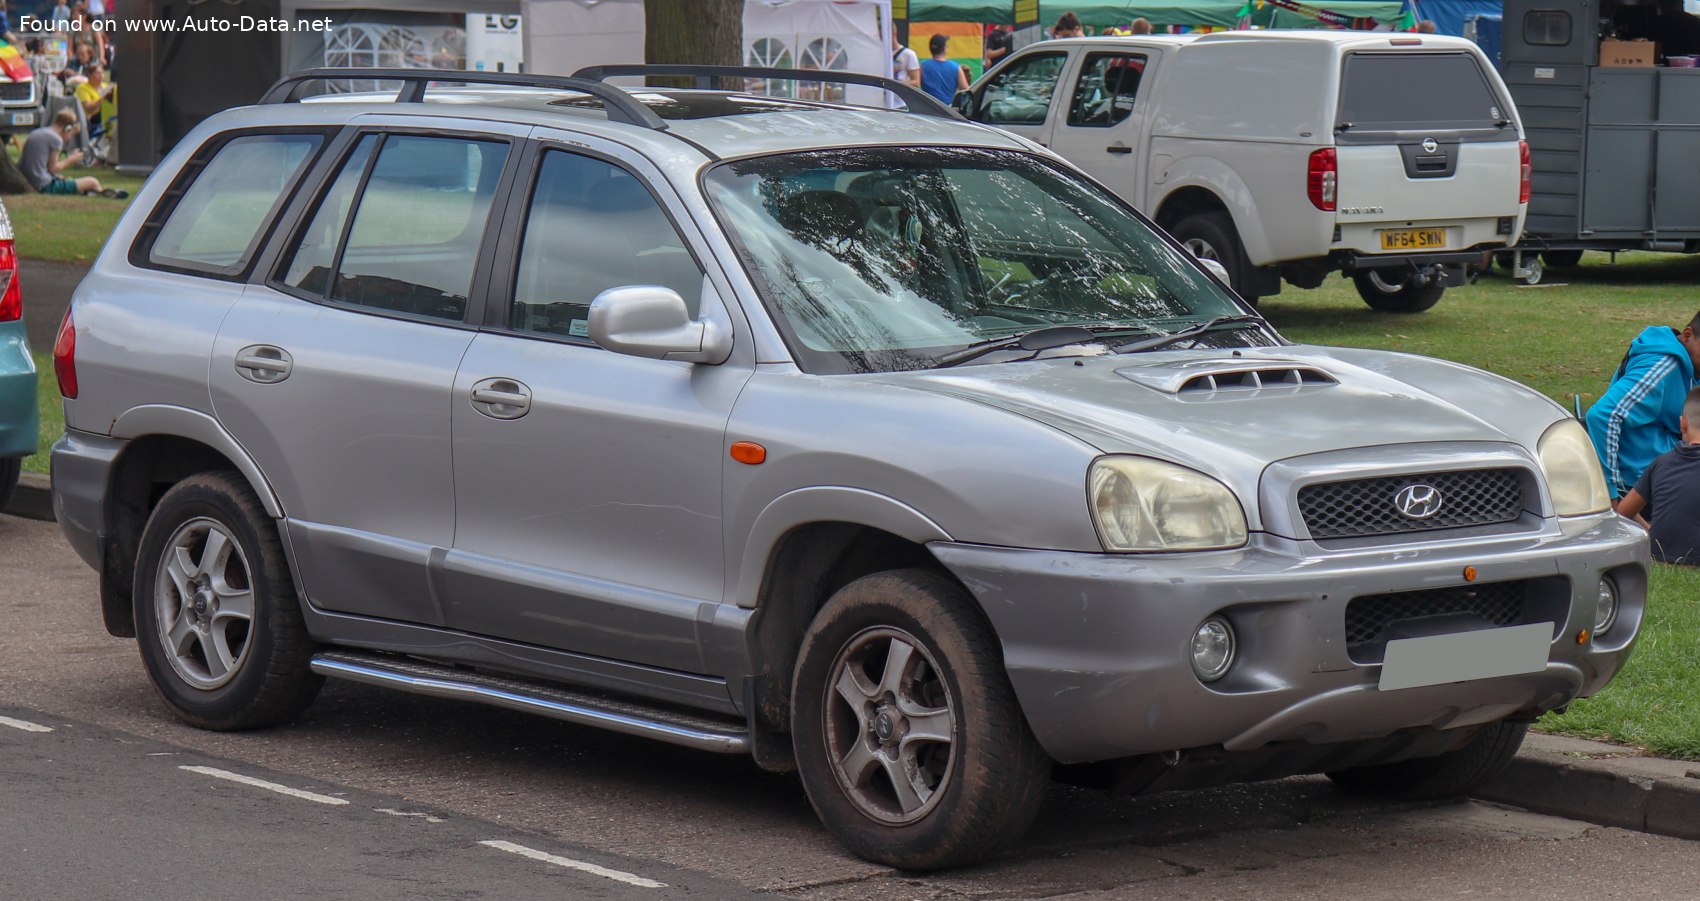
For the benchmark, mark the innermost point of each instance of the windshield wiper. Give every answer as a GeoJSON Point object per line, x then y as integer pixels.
{"type": "Point", "coordinates": [1035, 340]}
{"type": "Point", "coordinates": [1194, 331]}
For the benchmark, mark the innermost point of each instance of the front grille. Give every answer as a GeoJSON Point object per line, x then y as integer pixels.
{"type": "Point", "coordinates": [1365, 507]}
{"type": "Point", "coordinates": [1369, 617]}
{"type": "Point", "coordinates": [15, 91]}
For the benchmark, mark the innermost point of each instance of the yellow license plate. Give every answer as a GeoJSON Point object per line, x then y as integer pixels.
{"type": "Point", "coordinates": [1413, 238]}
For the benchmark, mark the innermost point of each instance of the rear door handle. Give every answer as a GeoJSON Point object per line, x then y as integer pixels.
{"type": "Point", "coordinates": [500, 398]}
{"type": "Point", "coordinates": [1119, 148]}
{"type": "Point", "coordinates": [264, 363]}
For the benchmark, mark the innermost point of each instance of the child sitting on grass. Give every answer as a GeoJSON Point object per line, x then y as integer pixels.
{"type": "Point", "coordinates": [1667, 498]}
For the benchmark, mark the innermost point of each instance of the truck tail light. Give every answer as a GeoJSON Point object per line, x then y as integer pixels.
{"type": "Point", "coordinates": [1324, 180]}
{"type": "Point", "coordinates": [65, 357]}
{"type": "Point", "coordinates": [1526, 171]}
{"type": "Point", "coordinates": [11, 293]}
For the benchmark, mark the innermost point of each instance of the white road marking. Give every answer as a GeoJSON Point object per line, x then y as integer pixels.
{"type": "Point", "coordinates": [410, 813]}
{"type": "Point", "coordinates": [569, 863]}
{"type": "Point", "coordinates": [268, 786]}
{"type": "Point", "coordinates": [24, 725]}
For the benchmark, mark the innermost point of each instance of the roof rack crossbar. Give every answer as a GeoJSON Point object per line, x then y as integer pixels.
{"type": "Point", "coordinates": [620, 105]}
{"type": "Point", "coordinates": [918, 101]}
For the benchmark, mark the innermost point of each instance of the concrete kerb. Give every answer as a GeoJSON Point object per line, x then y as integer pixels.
{"type": "Point", "coordinates": [1591, 781]}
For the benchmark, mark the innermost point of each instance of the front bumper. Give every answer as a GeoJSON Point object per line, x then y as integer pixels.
{"type": "Point", "coordinates": [19, 419]}
{"type": "Point", "coordinates": [1096, 645]}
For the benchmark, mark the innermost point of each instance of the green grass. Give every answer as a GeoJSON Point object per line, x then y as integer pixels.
{"type": "Point", "coordinates": [68, 229]}
{"type": "Point", "coordinates": [52, 413]}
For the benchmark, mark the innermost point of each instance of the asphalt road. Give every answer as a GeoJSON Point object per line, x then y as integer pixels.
{"type": "Point", "coordinates": [101, 807]}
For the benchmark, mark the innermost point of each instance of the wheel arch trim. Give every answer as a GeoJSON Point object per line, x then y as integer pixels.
{"type": "Point", "coordinates": [182, 422]}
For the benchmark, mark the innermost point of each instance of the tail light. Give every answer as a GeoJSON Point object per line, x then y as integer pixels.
{"type": "Point", "coordinates": [1324, 181]}
{"type": "Point", "coordinates": [65, 357]}
{"type": "Point", "coordinates": [11, 293]}
{"type": "Point", "coordinates": [1527, 171]}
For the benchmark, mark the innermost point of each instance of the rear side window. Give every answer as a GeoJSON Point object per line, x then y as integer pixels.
{"type": "Point", "coordinates": [401, 226]}
{"type": "Point", "coordinates": [1104, 93]}
{"type": "Point", "coordinates": [1416, 92]}
{"type": "Point", "coordinates": [214, 224]}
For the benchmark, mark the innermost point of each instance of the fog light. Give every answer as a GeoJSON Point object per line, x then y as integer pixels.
{"type": "Point", "coordinates": [1212, 649]}
{"type": "Point", "coordinates": [1605, 613]}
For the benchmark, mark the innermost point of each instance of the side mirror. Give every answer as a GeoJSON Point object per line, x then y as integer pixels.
{"type": "Point", "coordinates": [1215, 267]}
{"type": "Point", "coordinates": [651, 321]}
{"type": "Point", "coordinates": [964, 103]}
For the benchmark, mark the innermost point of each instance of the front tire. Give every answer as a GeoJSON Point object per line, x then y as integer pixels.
{"type": "Point", "coordinates": [217, 618]}
{"type": "Point", "coordinates": [1448, 775]}
{"type": "Point", "coordinates": [909, 739]}
{"type": "Point", "coordinates": [1211, 236]}
{"type": "Point", "coordinates": [1405, 294]}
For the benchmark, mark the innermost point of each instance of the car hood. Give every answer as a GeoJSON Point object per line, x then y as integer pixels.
{"type": "Point", "coordinates": [1231, 414]}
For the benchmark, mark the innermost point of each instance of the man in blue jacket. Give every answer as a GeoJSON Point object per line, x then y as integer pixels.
{"type": "Point", "coordinates": [1639, 416]}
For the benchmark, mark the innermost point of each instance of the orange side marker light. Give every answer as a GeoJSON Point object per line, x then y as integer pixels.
{"type": "Point", "coordinates": [748, 452]}
{"type": "Point", "coordinates": [1469, 574]}
{"type": "Point", "coordinates": [1582, 637]}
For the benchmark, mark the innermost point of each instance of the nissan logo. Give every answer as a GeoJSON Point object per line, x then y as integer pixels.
{"type": "Point", "coordinates": [1430, 145]}
{"type": "Point", "coordinates": [1417, 501]}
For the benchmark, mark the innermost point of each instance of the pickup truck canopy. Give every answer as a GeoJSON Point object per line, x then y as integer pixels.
{"type": "Point", "coordinates": [1100, 14]}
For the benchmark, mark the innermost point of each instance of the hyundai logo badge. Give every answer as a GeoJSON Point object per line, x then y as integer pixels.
{"type": "Point", "coordinates": [1417, 501]}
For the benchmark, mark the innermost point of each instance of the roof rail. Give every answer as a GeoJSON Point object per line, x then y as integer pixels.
{"type": "Point", "coordinates": [621, 106]}
{"type": "Point", "coordinates": [918, 101]}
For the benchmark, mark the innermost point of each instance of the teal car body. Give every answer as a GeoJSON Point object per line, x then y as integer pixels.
{"type": "Point", "coordinates": [20, 424]}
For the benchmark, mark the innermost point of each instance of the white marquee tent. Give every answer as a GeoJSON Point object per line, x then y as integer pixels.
{"type": "Point", "coordinates": [562, 36]}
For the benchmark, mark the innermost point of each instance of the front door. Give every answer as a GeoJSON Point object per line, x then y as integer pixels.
{"type": "Point", "coordinates": [335, 374]}
{"type": "Point", "coordinates": [588, 483]}
{"type": "Point", "coordinates": [1104, 127]}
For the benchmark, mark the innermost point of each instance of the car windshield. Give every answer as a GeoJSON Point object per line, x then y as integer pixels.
{"type": "Point", "coordinates": [882, 259]}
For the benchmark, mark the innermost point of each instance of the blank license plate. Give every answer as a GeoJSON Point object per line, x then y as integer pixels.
{"type": "Point", "coordinates": [23, 118]}
{"type": "Point", "coordinates": [1413, 238]}
{"type": "Point", "coordinates": [1465, 656]}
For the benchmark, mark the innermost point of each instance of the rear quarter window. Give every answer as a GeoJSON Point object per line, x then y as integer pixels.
{"type": "Point", "coordinates": [214, 217]}
{"type": "Point", "coordinates": [1416, 92]}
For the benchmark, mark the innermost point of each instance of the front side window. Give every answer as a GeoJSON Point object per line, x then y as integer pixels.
{"type": "Point", "coordinates": [1020, 92]}
{"type": "Point", "coordinates": [885, 259]}
{"type": "Point", "coordinates": [216, 225]}
{"type": "Point", "coordinates": [401, 226]}
{"type": "Point", "coordinates": [1104, 93]}
{"type": "Point", "coordinates": [593, 226]}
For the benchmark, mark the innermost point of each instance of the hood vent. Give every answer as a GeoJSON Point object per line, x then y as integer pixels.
{"type": "Point", "coordinates": [1208, 377]}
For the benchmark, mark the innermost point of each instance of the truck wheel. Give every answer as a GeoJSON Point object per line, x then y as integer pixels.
{"type": "Point", "coordinates": [908, 736]}
{"type": "Point", "coordinates": [1211, 236]}
{"type": "Point", "coordinates": [1562, 259]}
{"type": "Point", "coordinates": [1445, 776]}
{"type": "Point", "coordinates": [1396, 294]}
{"type": "Point", "coordinates": [217, 618]}
{"type": "Point", "coordinates": [10, 467]}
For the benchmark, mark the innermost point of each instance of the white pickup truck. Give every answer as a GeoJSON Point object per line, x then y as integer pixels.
{"type": "Point", "coordinates": [1395, 158]}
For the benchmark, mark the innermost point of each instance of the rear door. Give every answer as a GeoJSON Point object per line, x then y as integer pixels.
{"type": "Point", "coordinates": [1428, 152]}
{"type": "Point", "coordinates": [335, 372]}
{"type": "Point", "coordinates": [1103, 129]}
{"type": "Point", "coordinates": [1021, 96]}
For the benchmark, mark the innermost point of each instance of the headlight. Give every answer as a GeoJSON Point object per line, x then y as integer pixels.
{"type": "Point", "coordinates": [1573, 470]}
{"type": "Point", "coordinates": [1147, 505]}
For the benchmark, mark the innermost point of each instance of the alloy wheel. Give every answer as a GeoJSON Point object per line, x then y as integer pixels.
{"type": "Point", "coordinates": [205, 601]}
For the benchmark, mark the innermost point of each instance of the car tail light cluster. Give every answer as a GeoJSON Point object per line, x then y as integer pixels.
{"type": "Point", "coordinates": [1324, 180]}
{"type": "Point", "coordinates": [11, 293]}
{"type": "Point", "coordinates": [1527, 172]}
{"type": "Point", "coordinates": [65, 357]}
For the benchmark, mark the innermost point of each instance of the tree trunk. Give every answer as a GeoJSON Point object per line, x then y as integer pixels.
{"type": "Point", "coordinates": [11, 177]}
{"type": "Point", "coordinates": [702, 32]}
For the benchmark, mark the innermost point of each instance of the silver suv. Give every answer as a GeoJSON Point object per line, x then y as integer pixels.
{"type": "Point", "coordinates": [874, 444]}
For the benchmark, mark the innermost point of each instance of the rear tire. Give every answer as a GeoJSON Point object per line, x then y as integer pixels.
{"type": "Point", "coordinates": [1397, 295]}
{"type": "Point", "coordinates": [1449, 775]}
{"type": "Point", "coordinates": [10, 469]}
{"type": "Point", "coordinates": [218, 621]}
{"type": "Point", "coordinates": [1211, 236]}
{"type": "Point", "coordinates": [909, 739]}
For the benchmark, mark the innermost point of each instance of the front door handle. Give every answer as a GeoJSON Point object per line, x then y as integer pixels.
{"type": "Point", "coordinates": [264, 363]}
{"type": "Point", "coordinates": [500, 398]}
{"type": "Point", "coordinates": [1119, 147]}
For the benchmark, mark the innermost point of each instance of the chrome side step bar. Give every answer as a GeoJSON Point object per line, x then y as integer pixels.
{"type": "Point", "coordinates": [557, 702]}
